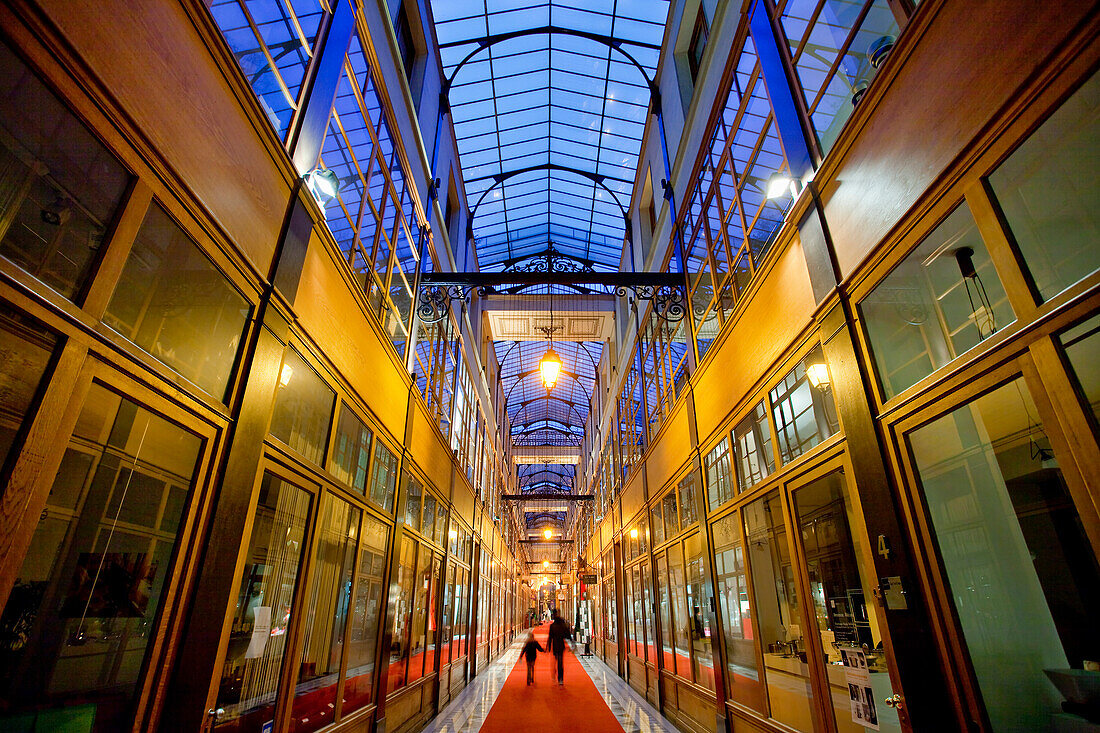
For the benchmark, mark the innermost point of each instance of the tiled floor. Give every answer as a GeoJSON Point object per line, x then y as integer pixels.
{"type": "Point", "coordinates": [633, 711]}
{"type": "Point", "coordinates": [467, 712]}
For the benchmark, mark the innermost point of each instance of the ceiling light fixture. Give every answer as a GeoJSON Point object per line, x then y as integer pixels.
{"type": "Point", "coordinates": [546, 563]}
{"type": "Point", "coordinates": [550, 364]}
{"type": "Point", "coordinates": [548, 534]}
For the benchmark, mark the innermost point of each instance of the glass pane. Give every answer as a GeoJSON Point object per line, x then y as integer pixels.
{"type": "Point", "coordinates": [658, 525]}
{"type": "Point", "coordinates": [742, 667]}
{"type": "Point", "coordinates": [424, 591]}
{"type": "Point", "coordinates": [351, 453]}
{"type": "Point", "coordinates": [303, 408]}
{"type": "Point", "coordinates": [59, 187]}
{"type": "Point", "coordinates": [835, 64]}
{"type": "Point", "coordinates": [926, 312]}
{"type": "Point", "coordinates": [250, 678]}
{"type": "Point", "coordinates": [383, 483]}
{"type": "Point", "coordinates": [401, 598]}
{"type": "Point", "coordinates": [427, 525]}
{"type": "Point", "coordinates": [1082, 345]}
{"type": "Point", "coordinates": [315, 694]}
{"type": "Point", "coordinates": [844, 609]}
{"type": "Point", "coordinates": [804, 415]}
{"type": "Point", "coordinates": [365, 616]}
{"type": "Point", "coordinates": [672, 520]}
{"type": "Point", "coordinates": [688, 507]}
{"type": "Point", "coordinates": [25, 349]}
{"type": "Point", "coordinates": [701, 660]}
{"type": "Point", "coordinates": [1049, 190]}
{"type": "Point", "coordinates": [448, 617]}
{"type": "Point", "coordinates": [680, 622]}
{"type": "Point", "coordinates": [778, 616]}
{"type": "Point", "coordinates": [1023, 576]}
{"type": "Point", "coordinates": [668, 660]}
{"type": "Point", "coordinates": [752, 445]}
{"type": "Point", "coordinates": [413, 497]}
{"type": "Point", "coordinates": [719, 474]}
{"type": "Point", "coordinates": [84, 604]}
{"type": "Point", "coordinates": [172, 302]}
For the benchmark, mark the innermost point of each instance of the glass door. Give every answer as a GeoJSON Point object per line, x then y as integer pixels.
{"type": "Point", "coordinates": [1018, 569]}
{"type": "Point", "coordinates": [842, 615]}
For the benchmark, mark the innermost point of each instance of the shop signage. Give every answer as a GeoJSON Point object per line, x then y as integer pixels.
{"type": "Point", "coordinates": [588, 579]}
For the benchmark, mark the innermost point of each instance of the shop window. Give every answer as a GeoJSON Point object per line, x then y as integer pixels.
{"type": "Point", "coordinates": [401, 601]}
{"type": "Point", "coordinates": [421, 661]}
{"type": "Point", "coordinates": [779, 618]}
{"type": "Point", "coordinates": [1048, 191]}
{"type": "Point", "coordinates": [658, 525]}
{"type": "Point", "coordinates": [366, 612]}
{"type": "Point", "coordinates": [719, 473]}
{"type": "Point", "coordinates": [448, 615]}
{"type": "Point", "coordinates": [1082, 345]}
{"type": "Point", "coordinates": [689, 512]}
{"type": "Point", "coordinates": [257, 640]}
{"type": "Point", "coordinates": [383, 484]}
{"type": "Point", "coordinates": [752, 445]}
{"type": "Point", "coordinates": [414, 497]}
{"type": "Point", "coordinates": [681, 623]}
{"type": "Point", "coordinates": [351, 452]}
{"type": "Point", "coordinates": [172, 302]}
{"type": "Point", "coordinates": [672, 519]}
{"type": "Point", "coordinates": [25, 349]}
{"type": "Point", "coordinates": [59, 186]}
{"type": "Point", "coordinates": [314, 703]}
{"type": "Point", "coordinates": [427, 521]}
{"type": "Point", "coordinates": [844, 609]}
{"type": "Point", "coordinates": [303, 408]}
{"type": "Point", "coordinates": [85, 602]}
{"type": "Point", "coordinates": [938, 303]}
{"type": "Point", "coordinates": [804, 415]}
{"type": "Point", "coordinates": [665, 613]}
{"type": "Point", "coordinates": [742, 668]}
{"type": "Point", "coordinates": [837, 49]}
{"type": "Point", "coordinates": [1023, 575]}
{"type": "Point", "coordinates": [702, 662]}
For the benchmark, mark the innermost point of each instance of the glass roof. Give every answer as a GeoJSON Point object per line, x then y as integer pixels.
{"type": "Point", "coordinates": [549, 123]}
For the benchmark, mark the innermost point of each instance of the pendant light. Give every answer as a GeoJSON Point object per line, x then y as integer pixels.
{"type": "Point", "coordinates": [550, 363]}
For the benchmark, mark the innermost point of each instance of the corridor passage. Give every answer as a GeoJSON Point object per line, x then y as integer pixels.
{"type": "Point", "coordinates": [593, 698]}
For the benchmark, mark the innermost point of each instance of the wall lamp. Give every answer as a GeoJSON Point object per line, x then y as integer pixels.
{"type": "Point", "coordinates": [780, 184]}
{"type": "Point", "coordinates": [548, 534]}
{"type": "Point", "coordinates": [324, 184]}
{"type": "Point", "coordinates": [818, 374]}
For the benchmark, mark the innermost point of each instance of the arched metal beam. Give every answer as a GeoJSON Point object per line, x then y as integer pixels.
{"type": "Point", "coordinates": [491, 40]}
{"type": "Point", "coordinates": [499, 178]}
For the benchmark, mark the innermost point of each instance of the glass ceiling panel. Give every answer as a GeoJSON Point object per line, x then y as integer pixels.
{"type": "Point", "coordinates": [549, 99]}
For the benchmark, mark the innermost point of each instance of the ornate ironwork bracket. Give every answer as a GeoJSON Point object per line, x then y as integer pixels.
{"type": "Point", "coordinates": [438, 290]}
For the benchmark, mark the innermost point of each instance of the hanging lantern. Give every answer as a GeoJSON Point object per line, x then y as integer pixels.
{"type": "Point", "coordinates": [550, 367]}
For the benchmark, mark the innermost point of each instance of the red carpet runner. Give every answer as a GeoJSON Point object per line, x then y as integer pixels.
{"type": "Point", "coordinates": [544, 706]}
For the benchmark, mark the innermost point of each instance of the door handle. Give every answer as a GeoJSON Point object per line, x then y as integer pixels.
{"type": "Point", "coordinates": [894, 701]}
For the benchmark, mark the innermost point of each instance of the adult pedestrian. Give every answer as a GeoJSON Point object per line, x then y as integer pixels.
{"type": "Point", "coordinates": [559, 631]}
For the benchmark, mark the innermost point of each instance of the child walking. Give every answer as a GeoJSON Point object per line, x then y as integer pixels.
{"type": "Point", "coordinates": [530, 649]}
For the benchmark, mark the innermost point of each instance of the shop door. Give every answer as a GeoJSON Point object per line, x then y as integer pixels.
{"type": "Point", "coordinates": [845, 639]}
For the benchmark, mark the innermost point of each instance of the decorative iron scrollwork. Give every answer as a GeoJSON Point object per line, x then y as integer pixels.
{"type": "Point", "coordinates": [435, 299]}
{"type": "Point", "coordinates": [668, 300]}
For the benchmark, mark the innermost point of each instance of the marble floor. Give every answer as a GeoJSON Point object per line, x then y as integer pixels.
{"type": "Point", "coordinates": [468, 710]}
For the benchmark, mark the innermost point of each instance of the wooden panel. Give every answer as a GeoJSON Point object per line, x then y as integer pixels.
{"type": "Point", "coordinates": [762, 332]}
{"type": "Point", "coordinates": [329, 313]}
{"type": "Point", "coordinates": [462, 503]}
{"type": "Point", "coordinates": [895, 159]}
{"type": "Point", "coordinates": [428, 450]}
{"type": "Point", "coordinates": [671, 450]}
{"type": "Point", "coordinates": [156, 66]}
{"type": "Point", "coordinates": [633, 496]}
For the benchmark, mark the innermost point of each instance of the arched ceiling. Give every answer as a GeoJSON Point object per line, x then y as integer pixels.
{"type": "Point", "coordinates": [549, 100]}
